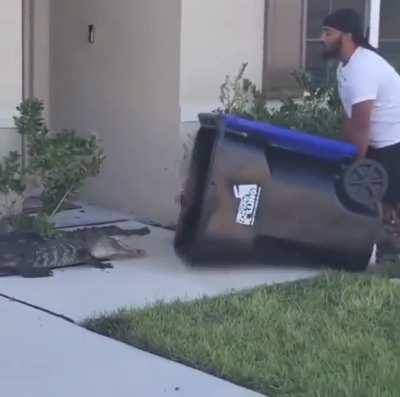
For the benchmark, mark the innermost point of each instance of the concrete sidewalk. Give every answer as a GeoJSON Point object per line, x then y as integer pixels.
{"type": "Point", "coordinates": [44, 356]}
{"type": "Point", "coordinates": [83, 291]}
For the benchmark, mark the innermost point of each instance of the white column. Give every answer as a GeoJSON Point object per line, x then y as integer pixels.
{"type": "Point", "coordinates": [10, 60]}
{"type": "Point", "coordinates": [374, 22]}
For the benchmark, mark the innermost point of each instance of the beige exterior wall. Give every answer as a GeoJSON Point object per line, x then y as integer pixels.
{"type": "Point", "coordinates": [149, 72]}
{"type": "Point", "coordinates": [124, 88]}
{"type": "Point", "coordinates": [11, 59]}
{"type": "Point", "coordinates": [284, 27]}
{"type": "Point", "coordinates": [11, 72]}
{"type": "Point", "coordinates": [13, 52]}
{"type": "Point", "coordinates": [217, 37]}
{"type": "Point", "coordinates": [9, 140]}
{"type": "Point", "coordinates": [41, 53]}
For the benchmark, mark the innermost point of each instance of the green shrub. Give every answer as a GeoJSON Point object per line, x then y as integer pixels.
{"type": "Point", "coordinates": [60, 163]}
{"type": "Point", "coordinates": [11, 179]}
{"type": "Point", "coordinates": [318, 112]}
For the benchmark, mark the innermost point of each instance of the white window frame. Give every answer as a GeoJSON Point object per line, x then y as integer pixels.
{"type": "Point", "coordinates": [374, 22]}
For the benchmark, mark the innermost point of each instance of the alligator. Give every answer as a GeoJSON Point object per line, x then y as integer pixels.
{"type": "Point", "coordinates": [30, 255]}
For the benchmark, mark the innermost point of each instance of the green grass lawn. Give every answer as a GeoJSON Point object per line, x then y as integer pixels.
{"type": "Point", "coordinates": [337, 335]}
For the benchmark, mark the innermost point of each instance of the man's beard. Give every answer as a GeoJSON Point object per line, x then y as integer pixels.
{"type": "Point", "coordinates": [334, 51]}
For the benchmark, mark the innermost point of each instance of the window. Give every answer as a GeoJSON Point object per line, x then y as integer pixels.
{"type": "Point", "coordinates": [389, 43]}
{"type": "Point", "coordinates": [317, 10]}
{"type": "Point", "coordinates": [283, 46]}
{"type": "Point", "coordinates": [292, 40]}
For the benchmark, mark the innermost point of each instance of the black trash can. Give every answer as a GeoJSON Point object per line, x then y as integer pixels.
{"type": "Point", "coordinates": [260, 192]}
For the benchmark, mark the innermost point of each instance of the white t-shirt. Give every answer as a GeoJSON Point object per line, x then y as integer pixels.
{"type": "Point", "coordinates": [367, 76]}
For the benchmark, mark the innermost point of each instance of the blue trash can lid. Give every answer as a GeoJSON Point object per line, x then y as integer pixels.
{"type": "Point", "coordinates": [322, 148]}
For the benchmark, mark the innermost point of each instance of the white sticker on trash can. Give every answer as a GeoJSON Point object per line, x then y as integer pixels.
{"type": "Point", "coordinates": [249, 196]}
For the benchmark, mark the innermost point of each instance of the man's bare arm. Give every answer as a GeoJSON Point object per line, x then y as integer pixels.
{"type": "Point", "coordinates": [356, 129]}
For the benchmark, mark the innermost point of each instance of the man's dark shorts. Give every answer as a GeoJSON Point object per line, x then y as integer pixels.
{"type": "Point", "coordinates": [389, 157]}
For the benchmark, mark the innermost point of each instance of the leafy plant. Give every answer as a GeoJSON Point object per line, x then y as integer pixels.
{"type": "Point", "coordinates": [11, 179]}
{"type": "Point", "coordinates": [60, 162]}
{"type": "Point", "coordinates": [39, 224]}
{"type": "Point", "coordinates": [318, 111]}
{"type": "Point", "coordinates": [63, 162]}
{"type": "Point", "coordinates": [31, 126]}
{"type": "Point", "coordinates": [237, 95]}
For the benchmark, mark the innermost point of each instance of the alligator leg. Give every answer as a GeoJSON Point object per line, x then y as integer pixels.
{"type": "Point", "coordinates": [144, 231]}
{"type": "Point", "coordinates": [32, 272]}
{"type": "Point", "coordinates": [98, 264]}
{"type": "Point", "coordinates": [115, 230]}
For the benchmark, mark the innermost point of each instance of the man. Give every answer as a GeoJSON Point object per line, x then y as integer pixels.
{"type": "Point", "coordinates": [369, 89]}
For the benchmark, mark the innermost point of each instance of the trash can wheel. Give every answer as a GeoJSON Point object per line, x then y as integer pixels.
{"type": "Point", "coordinates": [366, 182]}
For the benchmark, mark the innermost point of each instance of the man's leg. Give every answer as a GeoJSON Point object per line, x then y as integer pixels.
{"type": "Point", "coordinates": [389, 158]}
{"type": "Point", "coordinates": [390, 213]}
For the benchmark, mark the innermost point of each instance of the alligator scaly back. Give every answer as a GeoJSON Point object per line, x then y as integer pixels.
{"type": "Point", "coordinates": [31, 256]}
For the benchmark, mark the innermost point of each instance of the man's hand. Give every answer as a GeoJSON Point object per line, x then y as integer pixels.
{"type": "Point", "coordinates": [357, 128]}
